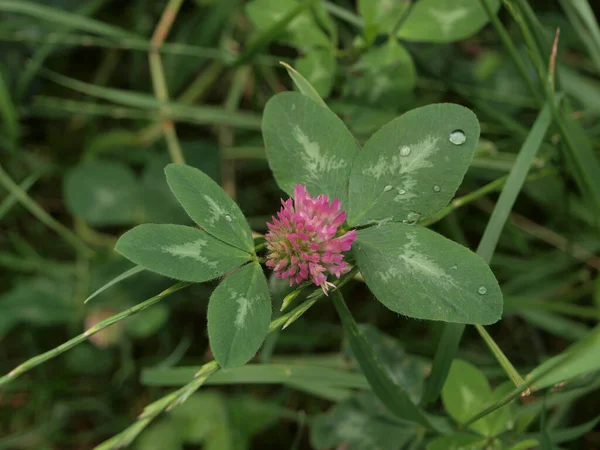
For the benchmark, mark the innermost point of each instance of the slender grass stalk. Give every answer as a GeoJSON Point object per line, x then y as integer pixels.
{"type": "Point", "coordinates": [22, 197]}
{"type": "Point", "coordinates": [159, 81]}
{"type": "Point", "coordinates": [226, 136]}
{"type": "Point", "coordinates": [10, 200]}
{"type": "Point", "coordinates": [344, 14]}
{"type": "Point", "coordinates": [37, 360]}
{"type": "Point", "coordinates": [493, 186]}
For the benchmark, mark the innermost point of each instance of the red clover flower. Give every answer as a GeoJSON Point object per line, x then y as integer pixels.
{"type": "Point", "coordinates": [303, 241]}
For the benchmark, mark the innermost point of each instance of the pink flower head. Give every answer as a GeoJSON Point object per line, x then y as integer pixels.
{"type": "Point", "coordinates": [302, 241]}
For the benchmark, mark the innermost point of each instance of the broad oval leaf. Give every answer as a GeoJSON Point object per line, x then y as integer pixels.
{"type": "Point", "coordinates": [385, 76]}
{"type": "Point", "coordinates": [444, 20]}
{"type": "Point", "coordinates": [360, 423]}
{"type": "Point", "coordinates": [467, 392]}
{"type": "Point", "coordinates": [307, 144]}
{"type": "Point", "coordinates": [458, 441]}
{"type": "Point", "coordinates": [179, 252]}
{"type": "Point", "coordinates": [318, 66]}
{"type": "Point", "coordinates": [380, 16]}
{"type": "Point", "coordinates": [239, 313]}
{"type": "Point", "coordinates": [209, 206]}
{"type": "Point", "coordinates": [419, 273]}
{"type": "Point", "coordinates": [103, 193]}
{"type": "Point", "coordinates": [413, 165]}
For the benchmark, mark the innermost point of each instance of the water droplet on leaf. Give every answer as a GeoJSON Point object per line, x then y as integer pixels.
{"type": "Point", "coordinates": [228, 218]}
{"type": "Point", "coordinates": [401, 191]}
{"type": "Point", "coordinates": [412, 218]}
{"type": "Point", "coordinates": [458, 137]}
{"type": "Point", "coordinates": [436, 188]}
{"type": "Point", "coordinates": [482, 290]}
{"type": "Point", "coordinates": [405, 151]}
{"type": "Point", "coordinates": [388, 188]}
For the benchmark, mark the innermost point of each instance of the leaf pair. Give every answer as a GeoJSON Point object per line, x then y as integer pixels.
{"type": "Point", "coordinates": [239, 310]}
{"type": "Point", "coordinates": [408, 169]}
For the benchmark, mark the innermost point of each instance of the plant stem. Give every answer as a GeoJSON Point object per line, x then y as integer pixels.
{"type": "Point", "coordinates": [500, 356]}
{"type": "Point", "coordinates": [22, 197]}
{"type": "Point", "coordinates": [493, 186]}
{"type": "Point", "coordinates": [158, 76]}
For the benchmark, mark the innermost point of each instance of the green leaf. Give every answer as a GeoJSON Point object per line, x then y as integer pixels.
{"type": "Point", "coordinates": [444, 20]}
{"type": "Point", "coordinates": [163, 435]}
{"type": "Point", "coordinates": [458, 441]}
{"type": "Point", "coordinates": [290, 19]}
{"type": "Point", "coordinates": [302, 32]}
{"type": "Point", "coordinates": [467, 391]}
{"type": "Point", "coordinates": [525, 445]}
{"type": "Point", "coordinates": [380, 16]}
{"type": "Point", "coordinates": [307, 144]}
{"type": "Point", "coordinates": [239, 314]}
{"type": "Point", "coordinates": [411, 167]}
{"type": "Point", "coordinates": [201, 417]}
{"type": "Point", "coordinates": [179, 252]}
{"type": "Point", "coordinates": [391, 395]}
{"type": "Point", "coordinates": [359, 423]}
{"type": "Point", "coordinates": [36, 301]}
{"type": "Point", "coordinates": [577, 360]}
{"type": "Point", "coordinates": [405, 370]}
{"type": "Point", "coordinates": [318, 66]}
{"type": "Point", "coordinates": [385, 76]}
{"type": "Point", "coordinates": [148, 322]}
{"type": "Point", "coordinates": [209, 206]}
{"type": "Point", "coordinates": [302, 84]}
{"type": "Point", "coordinates": [102, 193]}
{"type": "Point", "coordinates": [419, 273]}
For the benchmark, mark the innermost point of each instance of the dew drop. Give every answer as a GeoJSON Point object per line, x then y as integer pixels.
{"type": "Point", "coordinates": [228, 218]}
{"type": "Point", "coordinates": [388, 188]}
{"type": "Point", "coordinates": [412, 218]}
{"type": "Point", "coordinates": [436, 188]}
{"type": "Point", "coordinates": [405, 151]}
{"type": "Point", "coordinates": [458, 137]}
{"type": "Point", "coordinates": [401, 191]}
{"type": "Point", "coordinates": [482, 290]}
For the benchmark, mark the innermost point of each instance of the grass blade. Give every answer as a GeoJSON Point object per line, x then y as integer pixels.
{"type": "Point", "coordinates": [22, 197]}
{"type": "Point", "coordinates": [390, 394]}
{"type": "Point", "coordinates": [453, 332]}
{"type": "Point", "coordinates": [302, 84]}
{"type": "Point", "coordinates": [129, 273]}
{"type": "Point", "coordinates": [259, 374]}
{"type": "Point", "coordinates": [197, 114]}
{"type": "Point", "coordinates": [8, 112]}
{"type": "Point", "coordinates": [65, 18]}
{"type": "Point", "coordinates": [513, 185]}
